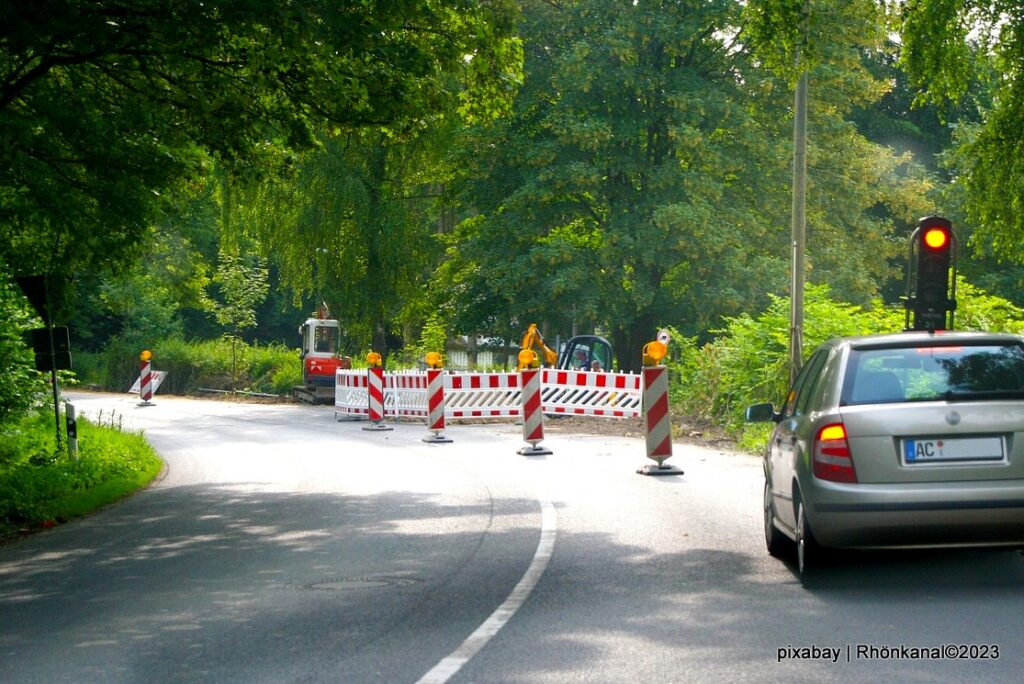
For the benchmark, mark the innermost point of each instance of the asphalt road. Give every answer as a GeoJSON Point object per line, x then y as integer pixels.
{"type": "Point", "coordinates": [283, 546]}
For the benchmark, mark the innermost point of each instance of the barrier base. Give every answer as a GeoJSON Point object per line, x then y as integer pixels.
{"type": "Point", "coordinates": [437, 438]}
{"type": "Point", "coordinates": [146, 403]}
{"type": "Point", "coordinates": [664, 469]}
{"type": "Point", "coordinates": [377, 427]}
{"type": "Point", "coordinates": [534, 450]}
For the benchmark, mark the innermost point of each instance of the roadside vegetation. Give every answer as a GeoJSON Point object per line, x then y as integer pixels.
{"type": "Point", "coordinates": [748, 360]}
{"type": "Point", "coordinates": [192, 366]}
{"type": "Point", "coordinates": [41, 485]}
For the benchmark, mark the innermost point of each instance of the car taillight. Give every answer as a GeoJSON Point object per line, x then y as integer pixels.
{"type": "Point", "coordinates": [832, 455]}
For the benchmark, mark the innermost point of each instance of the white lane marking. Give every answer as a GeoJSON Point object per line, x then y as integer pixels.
{"type": "Point", "coordinates": [448, 666]}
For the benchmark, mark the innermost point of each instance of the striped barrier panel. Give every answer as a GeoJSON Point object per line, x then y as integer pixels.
{"type": "Point", "coordinates": [145, 381]}
{"type": "Point", "coordinates": [377, 396]}
{"type": "Point", "coordinates": [590, 393]}
{"type": "Point", "coordinates": [158, 379]}
{"type": "Point", "coordinates": [532, 413]}
{"type": "Point", "coordinates": [467, 396]}
{"type": "Point", "coordinates": [406, 394]}
{"type": "Point", "coordinates": [351, 394]}
{"type": "Point", "coordinates": [657, 422]}
{"type": "Point", "coordinates": [656, 416]}
{"type": "Point", "coordinates": [495, 395]}
{"type": "Point", "coordinates": [482, 395]}
{"type": "Point", "coordinates": [375, 383]}
{"type": "Point", "coordinates": [435, 407]}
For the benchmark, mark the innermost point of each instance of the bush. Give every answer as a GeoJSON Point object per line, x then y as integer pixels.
{"type": "Point", "coordinates": [21, 386]}
{"type": "Point", "coordinates": [38, 483]}
{"type": "Point", "coordinates": [748, 363]}
{"type": "Point", "coordinates": [273, 369]}
{"type": "Point", "coordinates": [190, 366]}
{"type": "Point", "coordinates": [89, 368]}
{"type": "Point", "coordinates": [284, 378]}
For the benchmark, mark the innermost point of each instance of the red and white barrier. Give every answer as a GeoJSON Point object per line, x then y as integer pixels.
{"type": "Point", "coordinates": [589, 393]}
{"type": "Point", "coordinates": [470, 396]}
{"type": "Point", "coordinates": [435, 407]}
{"type": "Point", "coordinates": [532, 413]}
{"type": "Point", "coordinates": [482, 395]}
{"type": "Point", "coordinates": [145, 382]}
{"type": "Point", "coordinates": [406, 394]}
{"type": "Point", "coordinates": [375, 395]}
{"type": "Point", "coordinates": [435, 395]}
{"type": "Point", "coordinates": [351, 395]}
{"type": "Point", "coordinates": [657, 422]}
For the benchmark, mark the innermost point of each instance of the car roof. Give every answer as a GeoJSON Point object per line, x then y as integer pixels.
{"type": "Point", "coordinates": [915, 338]}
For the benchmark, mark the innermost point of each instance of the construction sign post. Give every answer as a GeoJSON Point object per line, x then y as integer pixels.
{"type": "Point", "coordinates": [657, 421]}
{"type": "Point", "coordinates": [145, 378]}
{"type": "Point", "coordinates": [530, 400]}
{"type": "Point", "coordinates": [375, 390]}
{"type": "Point", "coordinates": [435, 400]}
{"type": "Point", "coordinates": [533, 416]}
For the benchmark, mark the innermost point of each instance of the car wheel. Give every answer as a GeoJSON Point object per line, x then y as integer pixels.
{"type": "Point", "coordinates": [808, 553]}
{"type": "Point", "coordinates": [774, 539]}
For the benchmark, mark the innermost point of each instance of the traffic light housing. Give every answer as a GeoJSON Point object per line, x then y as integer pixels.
{"type": "Point", "coordinates": [931, 280]}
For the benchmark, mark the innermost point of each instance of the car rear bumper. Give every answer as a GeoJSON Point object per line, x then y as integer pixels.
{"type": "Point", "coordinates": [933, 514]}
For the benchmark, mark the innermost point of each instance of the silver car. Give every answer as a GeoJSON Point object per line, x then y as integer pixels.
{"type": "Point", "coordinates": [913, 439]}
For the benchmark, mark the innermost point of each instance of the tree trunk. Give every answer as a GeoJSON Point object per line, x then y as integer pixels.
{"type": "Point", "coordinates": [380, 343]}
{"type": "Point", "coordinates": [472, 351]}
{"type": "Point", "coordinates": [629, 343]}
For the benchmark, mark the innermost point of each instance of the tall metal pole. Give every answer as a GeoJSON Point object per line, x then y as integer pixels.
{"type": "Point", "coordinates": [799, 227]}
{"type": "Point", "coordinates": [53, 383]}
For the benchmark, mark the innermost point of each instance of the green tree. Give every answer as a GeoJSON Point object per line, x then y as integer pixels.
{"type": "Point", "coordinates": [112, 112]}
{"type": "Point", "coordinates": [21, 386]}
{"type": "Point", "coordinates": [354, 225]}
{"type": "Point", "coordinates": [243, 285]}
{"type": "Point", "coordinates": [105, 105]}
{"type": "Point", "coordinates": [644, 177]}
{"type": "Point", "coordinates": [947, 46]}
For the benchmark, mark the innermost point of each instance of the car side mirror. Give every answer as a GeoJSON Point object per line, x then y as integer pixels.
{"type": "Point", "coordinates": [761, 413]}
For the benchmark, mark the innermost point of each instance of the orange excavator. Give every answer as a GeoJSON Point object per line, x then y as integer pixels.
{"type": "Point", "coordinates": [582, 352]}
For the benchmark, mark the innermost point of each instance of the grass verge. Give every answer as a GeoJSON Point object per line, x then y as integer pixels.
{"type": "Point", "coordinates": [41, 486]}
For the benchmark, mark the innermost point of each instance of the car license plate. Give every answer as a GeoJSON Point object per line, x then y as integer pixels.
{"type": "Point", "coordinates": [953, 449]}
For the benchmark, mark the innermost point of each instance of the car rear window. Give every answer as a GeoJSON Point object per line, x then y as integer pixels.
{"type": "Point", "coordinates": [934, 372]}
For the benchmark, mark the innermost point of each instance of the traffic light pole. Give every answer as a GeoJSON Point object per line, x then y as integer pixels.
{"type": "Point", "coordinates": [799, 228]}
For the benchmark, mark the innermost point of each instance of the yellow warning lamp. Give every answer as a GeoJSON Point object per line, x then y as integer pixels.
{"type": "Point", "coordinates": [374, 359]}
{"type": "Point", "coordinates": [528, 359]}
{"type": "Point", "coordinates": [653, 353]}
{"type": "Point", "coordinates": [146, 355]}
{"type": "Point", "coordinates": [433, 360]}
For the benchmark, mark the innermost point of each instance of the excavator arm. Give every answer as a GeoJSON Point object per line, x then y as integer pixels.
{"type": "Point", "coordinates": [533, 340]}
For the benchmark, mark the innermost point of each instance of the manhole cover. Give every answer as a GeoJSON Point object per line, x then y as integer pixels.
{"type": "Point", "coordinates": [347, 583]}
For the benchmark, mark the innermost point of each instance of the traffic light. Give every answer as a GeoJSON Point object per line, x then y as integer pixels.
{"type": "Point", "coordinates": [931, 282]}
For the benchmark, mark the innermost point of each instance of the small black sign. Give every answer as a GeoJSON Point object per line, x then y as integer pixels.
{"type": "Point", "coordinates": [57, 358]}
